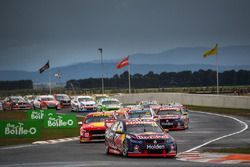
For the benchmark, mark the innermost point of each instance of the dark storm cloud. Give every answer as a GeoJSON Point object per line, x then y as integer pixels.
{"type": "Point", "coordinates": [68, 31]}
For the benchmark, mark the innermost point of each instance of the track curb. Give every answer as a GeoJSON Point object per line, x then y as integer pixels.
{"type": "Point", "coordinates": [55, 141]}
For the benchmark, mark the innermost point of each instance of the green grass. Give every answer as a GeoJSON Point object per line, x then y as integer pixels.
{"type": "Point", "coordinates": [245, 150]}
{"type": "Point", "coordinates": [46, 134]}
{"type": "Point", "coordinates": [228, 111]}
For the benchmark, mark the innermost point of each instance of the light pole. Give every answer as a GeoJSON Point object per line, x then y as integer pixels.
{"type": "Point", "coordinates": [100, 49]}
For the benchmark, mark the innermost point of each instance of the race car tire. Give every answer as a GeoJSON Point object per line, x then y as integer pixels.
{"type": "Point", "coordinates": [125, 149]}
{"type": "Point", "coordinates": [77, 109]}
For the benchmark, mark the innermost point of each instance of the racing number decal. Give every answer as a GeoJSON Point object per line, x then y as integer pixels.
{"type": "Point", "coordinates": [119, 138]}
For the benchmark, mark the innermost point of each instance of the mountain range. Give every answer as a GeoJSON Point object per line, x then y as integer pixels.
{"type": "Point", "coordinates": [174, 60]}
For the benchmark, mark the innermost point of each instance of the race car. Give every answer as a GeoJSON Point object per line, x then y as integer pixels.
{"type": "Point", "coordinates": [46, 102]}
{"type": "Point", "coordinates": [29, 98]}
{"type": "Point", "coordinates": [172, 118]}
{"type": "Point", "coordinates": [98, 97]}
{"type": "Point", "coordinates": [109, 104]}
{"type": "Point", "coordinates": [16, 103]}
{"type": "Point", "coordinates": [83, 103]}
{"type": "Point", "coordinates": [63, 99]}
{"type": "Point", "coordinates": [149, 104]}
{"type": "Point", "coordinates": [93, 127]}
{"type": "Point", "coordinates": [138, 113]}
{"type": "Point", "coordinates": [117, 115]}
{"type": "Point", "coordinates": [139, 138]}
{"type": "Point", "coordinates": [1, 106]}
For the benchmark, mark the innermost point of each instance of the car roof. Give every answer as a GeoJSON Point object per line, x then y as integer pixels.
{"type": "Point", "coordinates": [109, 99]}
{"type": "Point", "coordinates": [42, 96]}
{"type": "Point", "coordinates": [83, 97]}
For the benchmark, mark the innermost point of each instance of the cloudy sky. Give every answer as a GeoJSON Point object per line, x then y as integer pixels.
{"type": "Point", "coordinates": [71, 31]}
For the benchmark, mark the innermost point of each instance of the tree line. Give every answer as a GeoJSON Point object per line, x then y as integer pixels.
{"type": "Point", "coordinates": [166, 79]}
{"type": "Point", "coordinates": [12, 85]}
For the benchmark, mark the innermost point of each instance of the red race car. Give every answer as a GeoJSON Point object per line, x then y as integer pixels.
{"type": "Point", "coordinates": [16, 103]}
{"type": "Point", "coordinates": [46, 102]}
{"type": "Point", "coordinates": [93, 127]}
{"type": "Point", "coordinates": [63, 99]}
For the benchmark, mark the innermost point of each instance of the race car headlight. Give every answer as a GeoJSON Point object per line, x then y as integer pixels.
{"type": "Point", "coordinates": [170, 141]}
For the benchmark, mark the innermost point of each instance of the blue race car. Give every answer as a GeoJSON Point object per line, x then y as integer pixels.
{"type": "Point", "coordinates": [139, 138]}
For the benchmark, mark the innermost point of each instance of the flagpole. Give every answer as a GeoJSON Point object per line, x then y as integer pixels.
{"type": "Point", "coordinates": [217, 73]}
{"type": "Point", "coordinates": [129, 80]}
{"type": "Point", "coordinates": [100, 49]}
{"type": "Point", "coordinates": [49, 82]}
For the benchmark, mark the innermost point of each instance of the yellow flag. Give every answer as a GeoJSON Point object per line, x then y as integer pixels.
{"type": "Point", "coordinates": [213, 51]}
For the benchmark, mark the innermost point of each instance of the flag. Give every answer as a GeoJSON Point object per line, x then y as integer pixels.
{"type": "Point", "coordinates": [213, 51]}
{"type": "Point", "coordinates": [123, 63]}
{"type": "Point", "coordinates": [45, 67]}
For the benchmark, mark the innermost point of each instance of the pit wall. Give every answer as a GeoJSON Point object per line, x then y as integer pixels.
{"type": "Point", "coordinates": [223, 101]}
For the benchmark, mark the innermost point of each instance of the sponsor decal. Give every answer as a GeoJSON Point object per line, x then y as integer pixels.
{"type": "Point", "coordinates": [60, 121]}
{"type": "Point", "coordinates": [136, 141]}
{"type": "Point", "coordinates": [140, 122]}
{"type": "Point", "coordinates": [39, 114]}
{"type": "Point", "coordinates": [20, 129]}
{"type": "Point", "coordinates": [155, 147]}
{"type": "Point", "coordinates": [152, 137]}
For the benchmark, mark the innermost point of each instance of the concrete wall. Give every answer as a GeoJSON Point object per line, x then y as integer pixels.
{"type": "Point", "coordinates": [189, 99]}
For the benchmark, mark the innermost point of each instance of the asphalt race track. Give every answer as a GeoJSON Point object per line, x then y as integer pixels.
{"type": "Point", "coordinates": [202, 128]}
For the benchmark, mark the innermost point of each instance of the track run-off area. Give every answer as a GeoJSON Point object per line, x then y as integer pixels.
{"type": "Point", "coordinates": [204, 128]}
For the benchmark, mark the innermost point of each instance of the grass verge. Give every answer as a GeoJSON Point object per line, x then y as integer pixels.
{"type": "Point", "coordinates": [46, 134]}
{"type": "Point", "coordinates": [228, 111]}
{"type": "Point", "coordinates": [245, 150]}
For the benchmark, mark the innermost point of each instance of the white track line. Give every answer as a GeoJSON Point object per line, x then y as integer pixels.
{"type": "Point", "coordinates": [231, 134]}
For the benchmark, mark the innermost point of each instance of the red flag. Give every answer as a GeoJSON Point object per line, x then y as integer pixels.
{"type": "Point", "coordinates": [123, 63]}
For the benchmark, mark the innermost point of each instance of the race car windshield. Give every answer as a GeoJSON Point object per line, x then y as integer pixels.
{"type": "Point", "coordinates": [98, 119]}
{"type": "Point", "coordinates": [120, 116]}
{"type": "Point", "coordinates": [47, 99]}
{"type": "Point", "coordinates": [140, 114]}
{"type": "Point", "coordinates": [16, 99]}
{"type": "Point", "coordinates": [168, 112]}
{"type": "Point", "coordinates": [84, 99]}
{"type": "Point", "coordinates": [62, 97]}
{"type": "Point", "coordinates": [110, 103]}
{"type": "Point", "coordinates": [141, 128]}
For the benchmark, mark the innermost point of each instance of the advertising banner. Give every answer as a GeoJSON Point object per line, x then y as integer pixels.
{"type": "Point", "coordinates": [20, 129]}
{"type": "Point", "coordinates": [39, 114]}
{"type": "Point", "coordinates": [60, 121]}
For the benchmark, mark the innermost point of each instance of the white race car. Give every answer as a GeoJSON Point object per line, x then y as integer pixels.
{"type": "Point", "coordinates": [83, 103]}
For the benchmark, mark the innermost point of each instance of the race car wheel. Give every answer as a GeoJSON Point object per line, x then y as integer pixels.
{"type": "Point", "coordinates": [125, 149]}
{"type": "Point", "coordinates": [77, 109]}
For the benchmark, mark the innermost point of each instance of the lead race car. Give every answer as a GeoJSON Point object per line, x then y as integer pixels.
{"type": "Point", "coordinates": [139, 138]}
{"type": "Point", "coordinates": [93, 126]}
